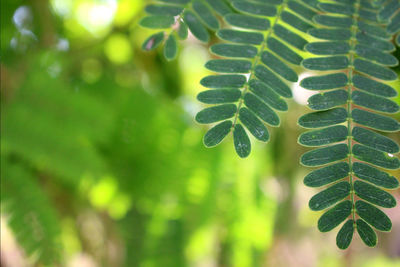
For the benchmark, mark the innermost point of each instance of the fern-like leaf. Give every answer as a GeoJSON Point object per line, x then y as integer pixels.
{"type": "Point", "coordinates": [176, 17]}
{"type": "Point", "coordinates": [354, 102]}
{"type": "Point", "coordinates": [257, 63]}
{"type": "Point", "coordinates": [30, 214]}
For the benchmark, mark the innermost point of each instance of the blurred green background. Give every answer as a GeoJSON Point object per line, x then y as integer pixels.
{"type": "Point", "coordinates": [102, 163]}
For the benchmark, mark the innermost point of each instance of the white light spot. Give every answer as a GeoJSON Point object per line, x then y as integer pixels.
{"type": "Point", "coordinates": [22, 17]}
{"type": "Point", "coordinates": [301, 95]}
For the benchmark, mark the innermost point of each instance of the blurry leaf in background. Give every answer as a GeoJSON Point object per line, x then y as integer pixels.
{"type": "Point", "coordinates": [30, 213]}
{"type": "Point", "coordinates": [55, 128]}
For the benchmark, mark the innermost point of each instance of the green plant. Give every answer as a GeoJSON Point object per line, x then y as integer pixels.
{"type": "Point", "coordinates": [354, 94]}
{"type": "Point", "coordinates": [354, 46]}
{"type": "Point", "coordinates": [195, 15]}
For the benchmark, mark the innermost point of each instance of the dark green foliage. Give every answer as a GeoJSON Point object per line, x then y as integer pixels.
{"type": "Point", "coordinates": [325, 82]}
{"type": "Point", "coordinates": [327, 100]}
{"type": "Point", "coordinates": [327, 175]}
{"type": "Point", "coordinates": [324, 136]}
{"type": "Point", "coordinates": [335, 216]}
{"type": "Point", "coordinates": [229, 65]}
{"type": "Point", "coordinates": [195, 15]}
{"type": "Point", "coordinates": [361, 68]}
{"type": "Point", "coordinates": [265, 38]}
{"type": "Point", "coordinates": [153, 41]}
{"type": "Point", "coordinates": [171, 48]}
{"type": "Point", "coordinates": [232, 50]}
{"type": "Point", "coordinates": [345, 235]}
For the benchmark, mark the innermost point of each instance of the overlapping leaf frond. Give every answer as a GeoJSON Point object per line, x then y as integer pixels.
{"type": "Point", "coordinates": [257, 61]}
{"type": "Point", "coordinates": [390, 14]}
{"type": "Point", "coordinates": [30, 214]}
{"type": "Point", "coordinates": [352, 105]}
{"type": "Point", "coordinates": [176, 17]}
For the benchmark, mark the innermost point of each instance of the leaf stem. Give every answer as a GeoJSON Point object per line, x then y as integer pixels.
{"type": "Point", "coordinates": [350, 106]}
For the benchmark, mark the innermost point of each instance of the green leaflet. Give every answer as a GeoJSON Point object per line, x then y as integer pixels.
{"type": "Point", "coordinates": [312, 3]}
{"type": "Point", "coordinates": [368, 15]}
{"type": "Point", "coordinates": [171, 48]}
{"type": "Point", "coordinates": [167, 10]}
{"type": "Point", "coordinates": [324, 136]}
{"type": "Point", "coordinates": [337, 8]}
{"type": "Point", "coordinates": [241, 37]}
{"type": "Point", "coordinates": [247, 22]}
{"type": "Point", "coordinates": [241, 141]}
{"type": "Point", "coordinates": [334, 216]}
{"type": "Point", "coordinates": [398, 40]}
{"type": "Point", "coordinates": [323, 118]}
{"type": "Point", "coordinates": [328, 48]}
{"type": "Point", "coordinates": [373, 30]}
{"type": "Point", "coordinates": [373, 156]}
{"type": "Point", "coordinates": [322, 156]}
{"type": "Point", "coordinates": [375, 176]}
{"type": "Point", "coordinates": [157, 21]}
{"type": "Point", "coordinates": [262, 110]}
{"type": "Point", "coordinates": [373, 86]}
{"type": "Point", "coordinates": [195, 26]}
{"type": "Point", "coordinates": [253, 124]}
{"type": "Point", "coordinates": [345, 235]}
{"type": "Point", "coordinates": [388, 10]}
{"type": "Point", "coordinates": [254, 8]}
{"type": "Point", "coordinates": [205, 15]}
{"type": "Point", "coordinates": [223, 81]}
{"type": "Point", "coordinates": [232, 50]}
{"type": "Point", "coordinates": [153, 41]}
{"type": "Point", "coordinates": [374, 42]}
{"type": "Point", "coordinates": [326, 63]}
{"type": "Point", "coordinates": [268, 95]}
{"type": "Point", "coordinates": [219, 96]}
{"type": "Point", "coordinates": [215, 135]}
{"type": "Point", "coordinates": [278, 66]}
{"type": "Point", "coordinates": [288, 36]}
{"type": "Point", "coordinates": [374, 102]}
{"type": "Point", "coordinates": [376, 55]}
{"type": "Point", "coordinates": [271, 80]}
{"type": "Point", "coordinates": [219, 6]}
{"type": "Point", "coordinates": [327, 175]}
{"type": "Point", "coordinates": [302, 10]}
{"type": "Point", "coordinates": [373, 216]}
{"type": "Point", "coordinates": [331, 34]}
{"type": "Point", "coordinates": [183, 30]}
{"type": "Point", "coordinates": [216, 113]}
{"type": "Point", "coordinates": [374, 140]}
{"type": "Point", "coordinates": [324, 82]}
{"type": "Point", "coordinates": [295, 21]}
{"type": "Point", "coordinates": [329, 196]}
{"type": "Point", "coordinates": [366, 233]}
{"type": "Point", "coordinates": [333, 21]}
{"type": "Point", "coordinates": [375, 121]}
{"type": "Point", "coordinates": [374, 70]}
{"type": "Point", "coordinates": [394, 25]}
{"type": "Point", "coordinates": [283, 51]}
{"type": "Point", "coordinates": [327, 100]}
{"type": "Point", "coordinates": [229, 65]}
{"type": "Point", "coordinates": [374, 195]}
